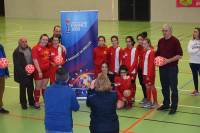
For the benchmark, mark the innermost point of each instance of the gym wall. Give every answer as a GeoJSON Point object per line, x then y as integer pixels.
{"type": "Point", "coordinates": [166, 11]}
{"type": "Point", "coordinates": [161, 10]}
{"type": "Point", "coordinates": [49, 9]}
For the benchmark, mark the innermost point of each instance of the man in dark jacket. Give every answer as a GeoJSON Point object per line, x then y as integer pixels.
{"type": "Point", "coordinates": [3, 74]}
{"type": "Point", "coordinates": [22, 57]}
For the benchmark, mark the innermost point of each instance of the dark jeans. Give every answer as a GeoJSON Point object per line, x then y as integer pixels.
{"type": "Point", "coordinates": [140, 76]}
{"type": "Point", "coordinates": [26, 85]}
{"type": "Point", "coordinates": [2, 88]}
{"type": "Point", "coordinates": [169, 80]}
{"type": "Point", "coordinates": [195, 68]}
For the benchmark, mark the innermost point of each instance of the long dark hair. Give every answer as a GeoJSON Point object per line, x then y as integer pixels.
{"type": "Point", "coordinates": [103, 37]}
{"type": "Point", "coordinates": [43, 36]}
{"type": "Point", "coordinates": [143, 35]}
{"type": "Point", "coordinates": [196, 28]}
{"type": "Point", "coordinates": [132, 40]}
{"type": "Point", "coordinates": [149, 42]}
{"type": "Point", "coordinates": [114, 36]}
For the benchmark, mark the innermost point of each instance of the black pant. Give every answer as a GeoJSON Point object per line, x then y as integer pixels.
{"type": "Point", "coordinates": [195, 70]}
{"type": "Point", "coordinates": [26, 85]}
{"type": "Point", "coordinates": [140, 76]}
{"type": "Point", "coordinates": [169, 80]}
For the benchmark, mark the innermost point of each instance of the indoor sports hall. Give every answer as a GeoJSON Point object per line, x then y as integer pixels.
{"type": "Point", "coordinates": [115, 17]}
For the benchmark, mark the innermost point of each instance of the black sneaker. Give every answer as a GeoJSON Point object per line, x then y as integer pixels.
{"type": "Point", "coordinates": [163, 107]}
{"type": "Point", "coordinates": [24, 107]}
{"type": "Point", "coordinates": [3, 111]}
{"type": "Point", "coordinates": [172, 111]}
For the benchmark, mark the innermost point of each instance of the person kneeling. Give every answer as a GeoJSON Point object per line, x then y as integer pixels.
{"type": "Point", "coordinates": [124, 88]}
{"type": "Point", "coordinates": [60, 101]}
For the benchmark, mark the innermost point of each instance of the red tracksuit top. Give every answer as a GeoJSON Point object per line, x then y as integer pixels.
{"type": "Point", "coordinates": [99, 55]}
{"type": "Point", "coordinates": [148, 63]}
{"type": "Point", "coordinates": [130, 59]}
{"type": "Point", "coordinates": [141, 52]}
{"type": "Point", "coordinates": [114, 58]}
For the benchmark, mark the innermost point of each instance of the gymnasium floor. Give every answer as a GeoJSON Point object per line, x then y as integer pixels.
{"type": "Point", "coordinates": [136, 120]}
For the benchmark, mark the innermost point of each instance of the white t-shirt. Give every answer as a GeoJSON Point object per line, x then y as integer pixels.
{"type": "Point", "coordinates": [194, 51]}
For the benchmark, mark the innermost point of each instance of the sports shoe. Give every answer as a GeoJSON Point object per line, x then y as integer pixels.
{"type": "Point", "coordinates": [147, 105]}
{"type": "Point", "coordinates": [143, 101]}
{"type": "Point", "coordinates": [37, 105]}
{"type": "Point", "coordinates": [172, 112]}
{"type": "Point", "coordinates": [194, 93]}
{"type": "Point", "coordinates": [163, 107]}
{"type": "Point", "coordinates": [4, 111]}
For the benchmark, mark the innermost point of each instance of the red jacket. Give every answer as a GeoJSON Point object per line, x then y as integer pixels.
{"type": "Point", "coordinates": [42, 55]}
{"type": "Point", "coordinates": [148, 63]}
{"type": "Point", "coordinates": [99, 55]}
{"type": "Point", "coordinates": [121, 85]}
{"type": "Point", "coordinates": [53, 53]}
{"type": "Point", "coordinates": [141, 52]}
{"type": "Point", "coordinates": [114, 58]}
{"type": "Point", "coordinates": [130, 59]}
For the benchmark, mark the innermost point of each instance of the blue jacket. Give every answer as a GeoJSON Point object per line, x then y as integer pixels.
{"type": "Point", "coordinates": [103, 115]}
{"type": "Point", "coordinates": [3, 72]}
{"type": "Point", "coordinates": [60, 101]}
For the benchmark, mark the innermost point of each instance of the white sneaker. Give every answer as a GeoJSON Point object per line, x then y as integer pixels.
{"type": "Point", "coordinates": [147, 105]}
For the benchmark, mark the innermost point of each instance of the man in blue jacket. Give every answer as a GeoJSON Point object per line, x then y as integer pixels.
{"type": "Point", "coordinates": [3, 74]}
{"type": "Point", "coordinates": [60, 101]}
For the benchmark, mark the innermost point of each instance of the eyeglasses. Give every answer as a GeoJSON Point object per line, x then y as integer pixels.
{"type": "Point", "coordinates": [165, 30]}
{"type": "Point", "coordinates": [123, 72]}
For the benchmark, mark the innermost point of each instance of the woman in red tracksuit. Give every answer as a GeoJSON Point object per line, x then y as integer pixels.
{"type": "Point", "coordinates": [141, 50]}
{"type": "Point", "coordinates": [149, 74]}
{"type": "Point", "coordinates": [130, 60]}
{"type": "Point", "coordinates": [99, 55]}
{"type": "Point", "coordinates": [124, 88]}
{"type": "Point", "coordinates": [40, 55]}
{"type": "Point", "coordinates": [55, 50]}
{"type": "Point", "coordinates": [114, 57]}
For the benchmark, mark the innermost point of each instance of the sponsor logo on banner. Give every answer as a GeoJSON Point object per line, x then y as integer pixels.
{"type": "Point", "coordinates": [187, 3]}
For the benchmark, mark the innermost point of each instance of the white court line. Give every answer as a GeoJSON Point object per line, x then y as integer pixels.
{"type": "Point", "coordinates": [11, 86]}
{"type": "Point", "coordinates": [188, 106]}
{"type": "Point", "coordinates": [159, 88]}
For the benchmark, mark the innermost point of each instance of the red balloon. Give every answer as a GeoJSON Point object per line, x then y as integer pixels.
{"type": "Point", "coordinates": [3, 63]}
{"type": "Point", "coordinates": [58, 60]}
{"type": "Point", "coordinates": [159, 61]}
{"type": "Point", "coordinates": [30, 68]}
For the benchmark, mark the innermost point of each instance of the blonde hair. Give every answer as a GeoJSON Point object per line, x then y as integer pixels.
{"type": "Point", "coordinates": [102, 83]}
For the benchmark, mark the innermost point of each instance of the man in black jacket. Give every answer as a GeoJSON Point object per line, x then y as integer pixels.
{"type": "Point", "coordinates": [22, 57]}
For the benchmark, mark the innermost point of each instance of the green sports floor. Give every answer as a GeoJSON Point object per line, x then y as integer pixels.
{"type": "Point", "coordinates": [136, 120]}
